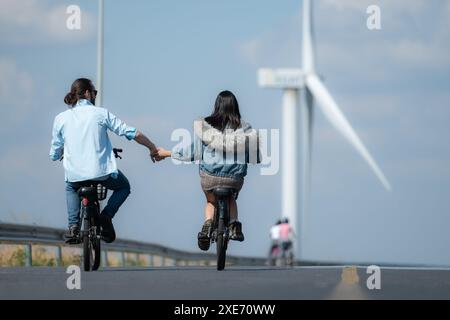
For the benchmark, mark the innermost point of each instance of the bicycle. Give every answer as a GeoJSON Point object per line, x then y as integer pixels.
{"type": "Point", "coordinates": [90, 234]}
{"type": "Point", "coordinates": [220, 233]}
{"type": "Point", "coordinates": [282, 254]}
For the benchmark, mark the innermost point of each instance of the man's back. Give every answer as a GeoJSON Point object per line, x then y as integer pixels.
{"type": "Point", "coordinates": [82, 131]}
{"type": "Point", "coordinates": [275, 232]}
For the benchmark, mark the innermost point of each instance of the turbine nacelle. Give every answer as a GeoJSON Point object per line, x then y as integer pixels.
{"type": "Point", "coordinates": [282, 78]}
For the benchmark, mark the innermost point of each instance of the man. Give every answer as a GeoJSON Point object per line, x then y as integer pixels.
{"type": "Point", "coordinates": [80, 138]}
{"type": "Point", "coordinates": [275, 240]}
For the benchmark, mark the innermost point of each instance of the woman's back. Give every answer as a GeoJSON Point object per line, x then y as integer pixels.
{"type": "Point", "coordinates": [226, 153]}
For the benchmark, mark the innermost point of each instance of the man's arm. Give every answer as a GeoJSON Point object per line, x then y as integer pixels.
{"type": "Point", "coordinates": [143, 140]}
{"type": "Point", "coordinates": [57, 144]}
{"type": "Point", "coordinates": [121, 129]}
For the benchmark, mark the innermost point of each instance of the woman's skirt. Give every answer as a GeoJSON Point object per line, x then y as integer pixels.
{"type": "Point", "coordinates": [210, 182]}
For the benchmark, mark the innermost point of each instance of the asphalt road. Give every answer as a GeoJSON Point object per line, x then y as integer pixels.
{"type": "Point", "coordinates": [192, 283]}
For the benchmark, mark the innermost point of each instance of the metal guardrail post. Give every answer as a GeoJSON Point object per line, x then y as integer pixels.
{"type": "Point", "coordinates": [58, 258]}
{"type": "Point", "coordinates": [28, 255]}
{"type": "Point", "coordinates": [104, 258]}
{"type": "Point", "coordinates": [122, 258]}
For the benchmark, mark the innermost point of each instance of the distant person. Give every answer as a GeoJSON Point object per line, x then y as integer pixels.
{"type": "Point", "coordinates": [281, 235]}
{"type": "Point", "coordinates": [274, 237]}
{"type": "Point", "coordinates": [286, 234]}
{"type": "Point", "coordinates": [222, 133]}
{"type": "Point", "coordinates": [80, 137]}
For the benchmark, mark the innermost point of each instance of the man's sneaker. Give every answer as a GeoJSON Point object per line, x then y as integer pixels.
{"type": "Point", "coordinates": [108, 233]}
{"type": "Point", "coordinates": [73, 234]}
{"type": "Point", "coordinates": [236, 231]}
{"type": "Point", "coordinates": [203, 236]}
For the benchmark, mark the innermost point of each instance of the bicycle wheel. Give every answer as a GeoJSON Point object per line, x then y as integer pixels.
{"type": "Point", "coordinates": [91, 247]}
{"type": "Point", "coordinates": [221, 245]}
{"type": "Point", "coordinates": [96, 247]}
{"type": "Point", "coordinates": [87, 246]}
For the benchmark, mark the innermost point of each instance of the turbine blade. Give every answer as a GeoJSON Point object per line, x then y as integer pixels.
{"type": "Point", "coordinates": [338, 120]}
{"type": "Point", "coordinates": [307, 47]}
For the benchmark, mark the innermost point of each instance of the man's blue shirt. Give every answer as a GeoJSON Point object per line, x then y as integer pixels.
{"type": "Point", "coordinates": [81, 135]}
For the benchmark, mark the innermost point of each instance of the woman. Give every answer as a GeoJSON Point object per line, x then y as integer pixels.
{"type": "Point", "coordinates": [226, 145]}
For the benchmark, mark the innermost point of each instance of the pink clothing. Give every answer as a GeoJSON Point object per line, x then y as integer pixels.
{"type": "Point", "coordinates": [285, 231]}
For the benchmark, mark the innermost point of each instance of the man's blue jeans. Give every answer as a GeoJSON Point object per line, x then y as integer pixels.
{"type": "Point", "coordinates": [119, 185]}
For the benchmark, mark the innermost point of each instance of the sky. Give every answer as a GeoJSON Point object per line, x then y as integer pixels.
{"type": "Point", "coordinates": [165, 63]}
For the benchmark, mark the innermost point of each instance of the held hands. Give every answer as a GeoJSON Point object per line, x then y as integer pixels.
{"type": "Point", "coordinates": [154, 154]}
{"type": "Point", "coordinates": [143, 140]}
{"type": "Point", "coordinates": [158, 154]}
{"type": "Point", "coordinates": [163, 153]}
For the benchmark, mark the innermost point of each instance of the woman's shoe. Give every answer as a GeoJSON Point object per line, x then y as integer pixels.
{"type": "Point", "coordinates": [203, 236]}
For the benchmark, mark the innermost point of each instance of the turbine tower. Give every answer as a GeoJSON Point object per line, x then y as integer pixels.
{"type": "Point", "coordinates": [295, 182]}
{"type": "Point", "coordinates": [100, 44]}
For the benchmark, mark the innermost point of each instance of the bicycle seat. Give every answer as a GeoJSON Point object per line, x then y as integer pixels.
{"type": "Point", "coordinates": [87, 191]}
{"type": "Point", "coordinates": [224, 192]}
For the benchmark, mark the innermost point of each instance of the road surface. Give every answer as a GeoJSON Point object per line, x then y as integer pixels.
{"type": "Point", "coordinates": [192, 283]}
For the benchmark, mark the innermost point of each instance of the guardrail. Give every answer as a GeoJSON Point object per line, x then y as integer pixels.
{"type": "Point", "coordinates": [127, 252]}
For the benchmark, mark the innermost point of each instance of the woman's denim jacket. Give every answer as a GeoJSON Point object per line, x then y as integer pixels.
{"type": "Point", "coordinates": [223, 154]}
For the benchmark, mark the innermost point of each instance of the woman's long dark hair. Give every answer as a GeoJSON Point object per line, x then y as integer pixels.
{"type": "Point", "coordinates": [226, 112]}
{"type": "Point", "coordinates": [79, 87]}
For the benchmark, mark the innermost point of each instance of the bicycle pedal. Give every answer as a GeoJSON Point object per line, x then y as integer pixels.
{"type": "Point", "coordinates": [73, 241]}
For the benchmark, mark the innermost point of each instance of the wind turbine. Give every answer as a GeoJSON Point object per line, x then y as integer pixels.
{"type": "Point", "coordinates": [305, 80]}
{"type": "Point", "coordinates": [100, 44]}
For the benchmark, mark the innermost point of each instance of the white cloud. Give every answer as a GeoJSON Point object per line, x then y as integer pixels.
{"type": "Point", "coordinates": [28, 22]}
{"type": "Point", "coordinates": [251, 49]}
{"type": "Point", "coordinates": [16, 91]}
{"type": "Point", "coordinates": [404, 41]}
{"type": "Point", "coordinates": [414, 52]}
{"type": "Point", "coordinates": [343, 4]}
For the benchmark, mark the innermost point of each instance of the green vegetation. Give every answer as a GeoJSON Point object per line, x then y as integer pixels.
{"type": "Point", "coordinates": [42, 258]}
{"type": "Point", "coordinates": [12, 256]}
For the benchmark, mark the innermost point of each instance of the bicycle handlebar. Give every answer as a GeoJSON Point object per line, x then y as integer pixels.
{"type": "Point", "coordinates": [116, 153]}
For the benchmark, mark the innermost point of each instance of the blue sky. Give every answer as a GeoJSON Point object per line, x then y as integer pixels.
{"type": "Point", "coordinates": [165, 62]}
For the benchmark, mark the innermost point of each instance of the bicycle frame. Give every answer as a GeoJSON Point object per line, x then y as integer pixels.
{"type": "Point", "coordinates": [221, 212]}
{"type": "Point", "coordinates": [281, 255]}
{"type": "Point", "coordinates": [90, 231]}
{"type": "Point", "coordinates": [220, 232]}
{"type": "Point", "coordinates": [90, 211]}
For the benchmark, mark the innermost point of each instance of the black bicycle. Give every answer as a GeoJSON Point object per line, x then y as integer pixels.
{"type": "Point", "coordinates": [90, 234]}
{"type": "Point", "coordinates": [282, 254]}
{"type": "Point", "coordinates": [220, 233]}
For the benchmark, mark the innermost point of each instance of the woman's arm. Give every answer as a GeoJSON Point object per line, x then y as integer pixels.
{"type": "Point", "coordinates": [184, 153]}
{"type": "Point", "coordinates": [163, 153]}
